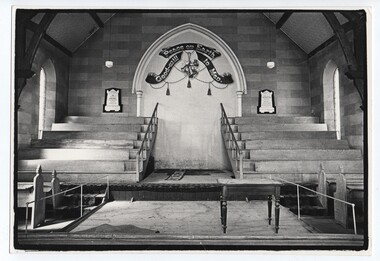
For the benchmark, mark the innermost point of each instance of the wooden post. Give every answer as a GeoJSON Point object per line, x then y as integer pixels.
{"type": "Point", "coordinates": [322, 187]}
{"type": "Point", "coordinates": [269, 209]}
{"type": "Point", "coordinates": [55, 189]}
{"type": "Point", "coordinates": [38, 207]}
{"type": "Point", "coordinates": [277, 209]}
{"type": "Point", "coordinates": [224, 209]}
{"type": "Point", "coordinates": [340, 208]}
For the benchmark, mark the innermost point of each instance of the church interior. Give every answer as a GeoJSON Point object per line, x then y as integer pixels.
{"type": "Point", "coordinates": [190, 129]}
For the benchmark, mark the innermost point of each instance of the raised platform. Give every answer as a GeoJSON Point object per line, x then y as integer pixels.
{"type": "Point", "coordinates": [181, 225]}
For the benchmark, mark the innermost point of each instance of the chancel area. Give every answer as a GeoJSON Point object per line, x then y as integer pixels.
{"type": "Point", "coordinates": [145, 129]}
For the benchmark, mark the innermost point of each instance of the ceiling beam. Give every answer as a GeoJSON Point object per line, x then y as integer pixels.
{"type": "Point", "coordinates": [347, 27]}
{"type": "Point", "coordinates": [25, 59]}
{"type": "Point", "coordinates": [32, 26]}
{"type": "Point", "coordinates": [97, 19]}
{"type": "Point", "coordinates": [37, 37]}
{"type": "Point", "coordinates": [356, 70]}
{"type": "Point", "coordinates": [283, 19]}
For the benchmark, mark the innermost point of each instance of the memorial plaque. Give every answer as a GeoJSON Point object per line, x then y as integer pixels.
{"type": "Point", "coordinates": [266, 102]}
{"type": "Point", "coordinates": [112, 101]}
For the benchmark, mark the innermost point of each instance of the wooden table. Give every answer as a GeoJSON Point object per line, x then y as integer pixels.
{"type": "Point", "coordinates": [257, 187]}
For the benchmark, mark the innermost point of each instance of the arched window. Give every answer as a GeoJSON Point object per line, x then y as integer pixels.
{"type": "Point", "coordinates": [42, 103]}
{"type": "Point", "coordinates": [337, 104]}
{"type": "Point", "coordinates": [331, 101]}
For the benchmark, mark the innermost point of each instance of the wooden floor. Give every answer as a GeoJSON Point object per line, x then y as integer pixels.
{"type": "Point", "coordinates": [189, 218]}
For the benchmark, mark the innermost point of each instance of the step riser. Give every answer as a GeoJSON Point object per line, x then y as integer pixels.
{"type": "Point", "coordinates": [300, 178]}
{"type": "Point", "coordinates": [81, 178]}
{"type": "Point", "coordinates": [78, 165]}
{"type": "Point", "coordinates": [75, 154]}
{"type": "Point", "coordinates": [305, 155]}
{"type": "Point", "coordinates": [265, 119]}
{"type": "Point", "coordinates": [164, 196]}
{"type": "Point", "coordinates": [275, 135]}
{"type": "Point", "coordinates": [282, 127]}
{"type": "Point", "coordinates": [105, 120]}
{"type": "Point", "coordinates": [88, 127]}
{"type": "Point", "coordinates": [78, 143]}
{"type": "Point", "coordinates": [58, 135]}
{"type": "Point", "coordinates": [296, 144]}
{"type": "Point", "coordinates": [302, 166]}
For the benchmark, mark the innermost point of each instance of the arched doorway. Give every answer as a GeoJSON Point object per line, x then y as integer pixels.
{"type": "Point", "coordinates": [189, 127]}
{"type": "Point", "coordinates": [331, 97]}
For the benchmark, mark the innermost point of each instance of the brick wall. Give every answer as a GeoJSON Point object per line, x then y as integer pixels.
{"type": "Point", "coordinates": [351, 114]}
{"type": "Point", "coordinates": [247, 34]}
{"type": "Point", "coordinates": [56, 66]}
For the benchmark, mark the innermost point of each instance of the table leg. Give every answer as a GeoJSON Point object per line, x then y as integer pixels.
{"type": "Point", "coordinates": [277, 214]}
{"type": "Point", "coordinates": [224, 208]}
{"type": "Point", "coordinates": [221, 207]}
{"type": "Point", "coordinates": [269, 209]}
{"type": "Point", "coordinates": [224, 215]}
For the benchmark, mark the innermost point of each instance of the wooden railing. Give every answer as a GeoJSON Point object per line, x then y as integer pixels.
{"type": "Point", "coordinates": [146, 145]}
{"type": "Point", "coordinates": [231, 143]}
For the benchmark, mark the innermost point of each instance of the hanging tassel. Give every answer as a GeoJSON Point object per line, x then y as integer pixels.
{"type": "Point", "coordinates": [188, 84]}
{"type": "Point", "coordinates": [168, 91]}
{"type": "Point", "coordinates": [209, 90]}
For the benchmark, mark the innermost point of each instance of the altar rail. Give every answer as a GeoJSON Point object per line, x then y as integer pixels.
{"type": "Point", "coordinates": [146, 145]}
{"type": "Point", "coordinates": [233, 148]}
{"type": "Point", "coordinates": [321, 194]}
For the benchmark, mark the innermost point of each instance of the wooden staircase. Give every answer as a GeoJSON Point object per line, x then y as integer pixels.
{"type": "Point", "coordinates": [83, 149]}
{"type": "Point", "coordinates": [292, 148]}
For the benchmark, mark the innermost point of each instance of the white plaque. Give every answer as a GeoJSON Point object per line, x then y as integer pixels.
{"type": "Point", "coordinates": [112, 100]}
{"type": "Point", "coordinates": [266, 102]}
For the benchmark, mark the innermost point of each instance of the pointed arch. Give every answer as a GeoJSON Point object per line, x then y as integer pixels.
{"type": "Point", "coordinates": [219, 42]}
{"type": "Point", "coordinates": [189, 28]}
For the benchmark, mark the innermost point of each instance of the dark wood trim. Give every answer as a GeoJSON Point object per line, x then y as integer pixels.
{"type": "Point", "coordinates": [283, 19]}
{"type": "Point", "coordinates": [347, 27]}
{"type": "Point", "coordinates": [37, 37]}
{"type": "Point", "coordinates": [352, 60]}
{"type": "Point", "coordinates": [343, 41]}
{"type": "Point", "coordinates": [32, 26]}
{"type": "Point", "coordinates": [322, 46]}
{"type": "Point", "coordinates": [97, 19]}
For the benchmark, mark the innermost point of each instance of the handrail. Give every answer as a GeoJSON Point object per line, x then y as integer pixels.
{"type": "Point", "coordinates": [143, 146]}
{"type": "Point", "coordinates": [238, 152]}
{"type": "Point", "coordinates": [63, 192]}
{"type": "Point", "coordinates": [319, 193]}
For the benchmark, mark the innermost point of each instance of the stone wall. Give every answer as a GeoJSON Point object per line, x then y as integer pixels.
{"type": "Point", "coordinates": [248, 35]}
{"type": "Point", "coordinates": [56, 66]}
{"type": "Point", "coordinates": [351, 114]}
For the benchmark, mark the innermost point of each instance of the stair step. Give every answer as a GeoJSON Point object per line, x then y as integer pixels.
{"type": "Point", "coordinates": [296, 144]}
{"type": "Point", "coordinates": [106, 119]}
{"type": "Point", "coordinates": [77, 166]}
{"type": "Point", "coordinates": [75, 154]}
{"type": "Point", "coordinates": [263, 119]}
{"type": "Point", "coordinates": [302, 166]}
{"type": "Point", "coordinates": [300, 177]}
{"type": "Point", "coordinates": [280, 134]}
{"type": "Point", "coordinates": [84, 176]}
{"type": "Point", "coordinates": [97, 127]}
{"type": "Point", "coordinates": [60, 135]}
{"type": "Point", "coordinates": [82, 143]}
{"type": "Point", "coordinates": [305, 154]}
{"type": "Point", "coordinates": [283, 127]}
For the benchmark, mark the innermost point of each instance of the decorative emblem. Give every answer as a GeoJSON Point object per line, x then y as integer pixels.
{"type": "Point", "coordinates": [191, 67]}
